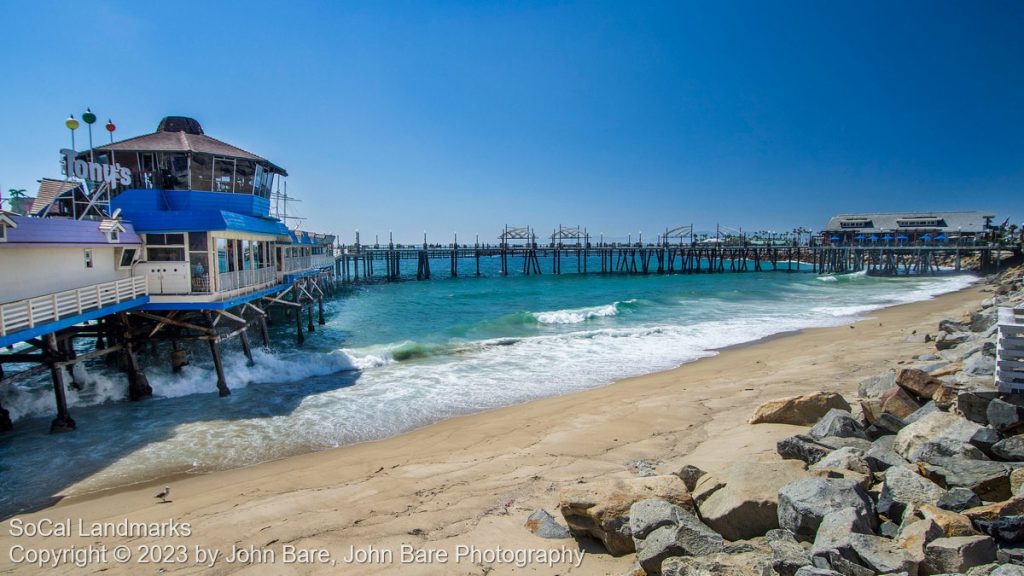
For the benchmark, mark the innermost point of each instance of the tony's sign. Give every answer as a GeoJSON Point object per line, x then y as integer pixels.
{"type": "Point", "coordinates": [110, 173]}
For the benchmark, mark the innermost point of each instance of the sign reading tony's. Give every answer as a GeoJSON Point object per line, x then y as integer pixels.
{"type": "Point", "coordinates": [110, 173]}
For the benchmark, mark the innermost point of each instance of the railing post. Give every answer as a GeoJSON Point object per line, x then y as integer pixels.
{"type": "Point", "coordinates": [56, 312]}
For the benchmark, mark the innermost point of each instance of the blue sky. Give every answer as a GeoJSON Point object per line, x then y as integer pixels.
{"type": "Point", "coordinates": [621, 117]}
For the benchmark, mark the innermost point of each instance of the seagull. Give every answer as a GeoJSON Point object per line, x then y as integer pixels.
{"type": "Point", "coordinates": [164, 494]}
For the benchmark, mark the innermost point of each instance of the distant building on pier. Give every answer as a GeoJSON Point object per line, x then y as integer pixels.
{"type": "Point", "coordinates": [908, 227]}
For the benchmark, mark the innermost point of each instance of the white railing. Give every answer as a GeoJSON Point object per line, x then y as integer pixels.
{"type": "Point", "coordinates": [1009, 371]}
{"type": "Point", "coordinates": [229, 281]}
{"type": "Point", "coordinates": [299, 263]}
{"type": "Point", "coordinates": [31, 312]}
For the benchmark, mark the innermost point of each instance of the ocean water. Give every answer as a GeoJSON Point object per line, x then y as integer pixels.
{"type": "Point", "coordinates": [398, 356]}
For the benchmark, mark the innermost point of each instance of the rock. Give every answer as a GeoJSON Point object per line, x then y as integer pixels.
{"type": "Point", "coordinates": [989, 480]}
{"type": "Point", "coordinates": [888, 529]}
{"type": "Point", "coordinates": [985, 438]}
{"type": "Point", "coordinates": [788, 555]}
{"type": "Point", "coordinates": [918, 338]}
{"type": "Point", "coordinates": [918, 382]}
{"type": "Point", "coordinates": [982, 321]}
{"type": "Point", "coordinates": [689, 474]}
{"type": "Point", "coordinates": [1008, 555]}
{"type": "Point", "coordinates": [747, 506]}
{"type": "Point", "coordinates": [798, 410]}
{"type": "Point", "coordinates": [870, 408]}
{"type": "Point", "coordinates": [1004, 416]}
{"type": "Point", "coordinates": [803, 448]}
{"type": "Point", "coordinates": [980, 365]}
{"type": "Point", "coordinates": [835, 530]}
{"type": "Point", "coordinates": [707, 485]}
{"type": "Point", "coordinates": [837, 423]}
{"type": "Point", "coordinates": [544, 525]}
{"type": "Point", "coordinates": [643, 467]}
{"type": "Point", "coordinates": [947, 555]}
{"type": "Point", "coordinates": [881, 555]}
{"type": "Point", "coordinates": [928, 408]}
{"type": "Point", "coordinates": [902, 486]}
{"type": "Point", "coordinates": [950, 326]}
{"type": "Point", "coordinates": [844, 459]}
{"type": "Point", "coordinates": [690, 538]}
{"type": "Point", "coordinates": [897, 402]}
{"type": "Point", "coordinates": [1005, 530]}
{"type": "Point", "coordinates": [939, 429]}
{"type": "Point", "coordinates": [949, 341]}
{"type": "Point", "coordinates": [945, 397]}
{"type": "Point", "coordinates": [914, 537]}
{"type": "Point", "coordinates": [885, 424]}
{"type": "Point", "coordinates": [865, 480]}
{"type": "Point", "coordinates": [1017, 481]}
{"type": "Point", "coordinates": [813, 571]}
{"type": "Point", "coordinates": [721, 564]}
{"type": "Point", "coordinates": [1006, 569]}
{"type": "Point", "coordinates": [958, 499]}
{"type": "Point", "coordinates": [876, 385]}
{"type": "Point", "coordinates": [835, 443]}
{"type": "Point", "coordinates": [648, 515]}
{"type": "Point", "coordinates": [804, 503]}
{"type": "Point", "coordinates": [951, 523]}
{"type": "Point", "coordinates": [601, 509]}
{"type": "Point", "coordinates": [881, 455]}
{"type": "Point", "coordinates": [1011, 449]}
{"type": "Point", "coordinates": [1011, 507]}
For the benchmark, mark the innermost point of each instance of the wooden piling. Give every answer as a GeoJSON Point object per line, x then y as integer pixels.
{"type": "Point", "coordinates": [63, 422]}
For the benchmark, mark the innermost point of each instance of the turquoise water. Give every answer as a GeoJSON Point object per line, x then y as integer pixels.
{"type": "Point", "coordinates": [393, 357]}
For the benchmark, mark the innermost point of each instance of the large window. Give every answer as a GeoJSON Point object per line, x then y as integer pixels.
{"type": "Point", "coordinates": [199, 261]}
{"type": "Point", "coordinates": [223, 262]}
{"type": "Point", "coordinates": [263, 182]}
{"type": "Point", "coordinates": [223, 174]}
{"type": "Point", "coordinates": [175, 172]}
{"type": "Point", "coordinates": [202, 172]}
{"type": "Point", "coordinates": [165, 247]}
{"type": "Point", "coordinates": [245, 171]}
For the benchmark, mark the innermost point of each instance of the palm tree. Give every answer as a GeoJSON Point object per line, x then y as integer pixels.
{"type": "Point", "coordinates": [15, 200]}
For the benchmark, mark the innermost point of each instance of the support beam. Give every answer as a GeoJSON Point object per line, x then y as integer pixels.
{"type": "Point", "coordinates": [63, 422]}
{"type": "Point", "coordinates": [179, 357]}
{"type": "Point", "coordinates": [320, 305]}
{"type": "Point", "coordinates": [243, 336]}
{"type": "Point", "coordinates": [222, 385]}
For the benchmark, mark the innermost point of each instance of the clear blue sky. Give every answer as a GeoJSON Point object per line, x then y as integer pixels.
{"type": "Point", "coordinates": [465, 116]}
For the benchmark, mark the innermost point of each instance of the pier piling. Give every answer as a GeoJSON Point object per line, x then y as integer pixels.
{"type": "Point", "coordinates": [63, 422]}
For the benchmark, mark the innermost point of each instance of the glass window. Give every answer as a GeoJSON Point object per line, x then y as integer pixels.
{"type": "Point", "coordinates": [202, 172]}
{"type": "Point", "coordinates": [197, 241]}
{"type": "Point", "coordinates": [127, 256]}
{"type": "Point", "coordinates": [88, 258]}
{"type": "Point", "coordinates": [232, 255]}
{"type": "Point", "coordinates": [175, 172]}
{"type": "Point", "coordinates": [245, 170]}
{"type": "Point", "coordinates": [223, 260]}
{"type": "Point", "coordinates": [223, 174]}
{"type": "Point", "coordinates": [165, 254]}
{"type": "Point", "coordinates": [199, 263]}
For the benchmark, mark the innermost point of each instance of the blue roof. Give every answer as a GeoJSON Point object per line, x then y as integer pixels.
{"type": "Point", "coordinates": [64, 231]}
{"type": "Point", "coordinates": [191, 211]}
{"type": "Point", "coordinates": [204, 220]}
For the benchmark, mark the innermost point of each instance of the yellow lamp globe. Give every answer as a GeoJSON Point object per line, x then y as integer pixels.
{"type": "Point", "coordinates": [71, 123]}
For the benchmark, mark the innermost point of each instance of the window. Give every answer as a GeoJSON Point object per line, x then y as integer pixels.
{"type": "Point", "coordinates": [3, 232]}
{"type": "Point", "coordinates": [175, 172]}
{"type": "Point", "coordinates": [113, 235]}
{"type": "Point", "coordinates": [222, 255]}
{"type": "Point", "coordinates": [244, 174]}
{"type": "Point", "coordinates": [127, 257]}
{"type": "Point", "coordinates": [855, 224]}
{"type": "Point", "coordinates": [202, 172]}
{"type": "Point", "coordinates": [88, 258]}
{"type": "Point", "coordinates": [223, 174]}
{"type": "Point", "coordinates": [165, 247]}
{"type": "Point", "coordinates": [920, 223]}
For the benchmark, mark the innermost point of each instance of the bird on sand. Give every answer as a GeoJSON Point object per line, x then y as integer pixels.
{"type": "Point", "coordinates": [164, 494]}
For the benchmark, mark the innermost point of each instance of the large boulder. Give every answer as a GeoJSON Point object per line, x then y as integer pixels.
{"type": "Point", "coordinates": [903, 486]}
{"type": "Point", "coordinates": [748, 504]}
{"type": "Point", "coordinates": [543, 524]}
{"type": "Point", "coordinates": [959, 554]}
{"type": "Point", "coordinates": [1004, 416]}
{"type": "Point", "coordinates": [788, 556]}
{"type": "Point", "coordinates": [1011, 507]}
{"type": "Point", "coordinates": [804, 503]}
{"type": "Point", "coordinates": [918, 382]}
{"type": "Point", "coordinates": [690, 474]}
{"type": "Point", "coordinates": [750, 563]}
{"type": "Point", "coordinates": [980, 365]}
{"type": "Point", "coordinates": [803, 448]}
{"type": "Point", "coordinates": [951, 523]}
{"type": "Point", "coordinates": [958, 499]}
{"type": "Point", "coordinates": [835, 530]}
{"type": "Point", "coordinates": [915, 536]}
{"type": "Point", "coordinates": [690, 537]}
{"type": "Point", "coordinates": [936, 431]}
{"type": "Point", "coordinates": [876, 385]}
{"type": "Point", "coordinates": [989, 480]}
{"type": "Point", "coordinates": [798, 410]}
{"type": "Point", "coordinates": [838, 423]}
{"type": "Point", "coordinates": [898, 402]}
{"type": "Point", "coordinates": [885, 424]}
{"type": "Point", "coordinates": [882, 555]}
{"type": "Point", "coordinates": [1011, 449]}
{"type": "Point", "coordinates": [646, 516]}
{"type": "Point", "coordinates": [601, 509]}
{"type": "Point", "coordinates": [1005, 530]}
{"type": "Point", "coordinates": [926, 409]}
{"type": "Point", "coordinates": [881, 454]}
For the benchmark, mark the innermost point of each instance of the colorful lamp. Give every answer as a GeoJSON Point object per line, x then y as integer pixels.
{"type": "Point", "coordinates": [89, 118]}
{"type": "Point", "coordinates": [72, 125]}
{"type": "Point", "coordinates": [110, 128]}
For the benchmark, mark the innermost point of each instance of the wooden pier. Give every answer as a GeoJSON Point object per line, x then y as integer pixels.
{"type": "Point", "coordinates": [357, 263]}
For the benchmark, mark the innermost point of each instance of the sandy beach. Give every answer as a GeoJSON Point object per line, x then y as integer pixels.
{"type": "Point", "coordinates": [465, 486]}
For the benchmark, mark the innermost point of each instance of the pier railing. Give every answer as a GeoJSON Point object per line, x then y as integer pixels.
{"type": "Point", "coordinates": [299, 263]}
{"type": "Point", "coordinates": [1010, 351]}
{"type": "Point", "coordinates": [230, 281]}
{"type": "Point", "coordinates": [31, 312]}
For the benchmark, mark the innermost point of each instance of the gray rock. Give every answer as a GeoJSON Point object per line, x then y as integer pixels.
{"type": "Point", "coordinates": [804, 503]}
{"type": "Point", "coordinates": [838, 423]}
{"type": "Point", "coordinates": [803, 448]}
{"type": "Point", "coordinates": [1010, 449]}
{"type": "Point", "coordinates": [747, 506]}
{"type": "Point", "coordinates": [1007, 570]}
{"type": "Point", "coordinates": [881, 455]}
{"type": "Point", "coordinates": [835, 443]}
{"type": "Point", "coordinates": [950, 326]}
{"type": "Point", "coordinates": [544, 525]}
{"type": "Point", "coordinates": [948, 341]}
{"type": "Point", "coordinates": [1004, 416]}
{"type": "Point", "coordinates": [813, 571]}
{"type": "Point", "coordinates": [689, 474]}
{"type": "Point", "coordinates": [982, 321]}
{"type": "Point", "coordinates": [973, 405]}
{"type": "Point", "coordinates": [876, 385]}
{"type": "Point", "coordinates": [888, 529]}
{"type": "Point", "coordinates": [788, 556]}
{"type": "Point", "coordinates": [832, 560]}
{"type": "Point", "coordinates": [980, 365]}
{"type": "Point", "coordinates": [985, 438]}
{"type": "Point", "coordinates": [903, 486]}
{"type": "Point", "coordinates": [885, 425]}
{"type": "Point", "coordinates": [1005, 529]}
{"type": "Point", "coordinates": [989, 480]}
{"type": "Point", "coordinates": [848, 458]}
{"type": "Point", "coordinates": [958, 499]}
{"type": "Point", "coordinates": [939, 433]}
{"type": "Point", "coordinates": [1010, 555]}
{"type": "Point", "coordinates": [881, 555]}
{"type": "Point", "coordinates": [720, 564]}
{"type": "Point", "coordinates": [648, 515]}
{"type": "Point", "coordinates": [924, 410]}
{"type": "Point", "coordinates": [958, 554]}
{"type": "Point", "coordinates": [689, 538]}
{"type": "Point", "coordinates": [836, 529]}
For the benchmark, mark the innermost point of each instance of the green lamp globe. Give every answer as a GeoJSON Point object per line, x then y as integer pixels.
{"type": "Point", "coordinates": [89, 117]}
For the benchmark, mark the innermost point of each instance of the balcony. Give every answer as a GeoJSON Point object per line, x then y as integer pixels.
{"type": "Point", "coordinates": [241, 279]}
{"type": "Point", "coordinates": [303, 263]}
{"type": "Point", "coordinates": [32, 312]}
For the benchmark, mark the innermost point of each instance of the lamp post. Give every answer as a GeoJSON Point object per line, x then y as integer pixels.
{"type": "Point", "coordinates": [110, 128]}
{"type": "Point", "coordinates": [72, 125]}
{"type": "Point", "coordinates": [89, 118]}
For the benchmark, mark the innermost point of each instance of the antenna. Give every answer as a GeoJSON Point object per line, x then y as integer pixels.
{"type": "Point", "coordinates": [281, 204]}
